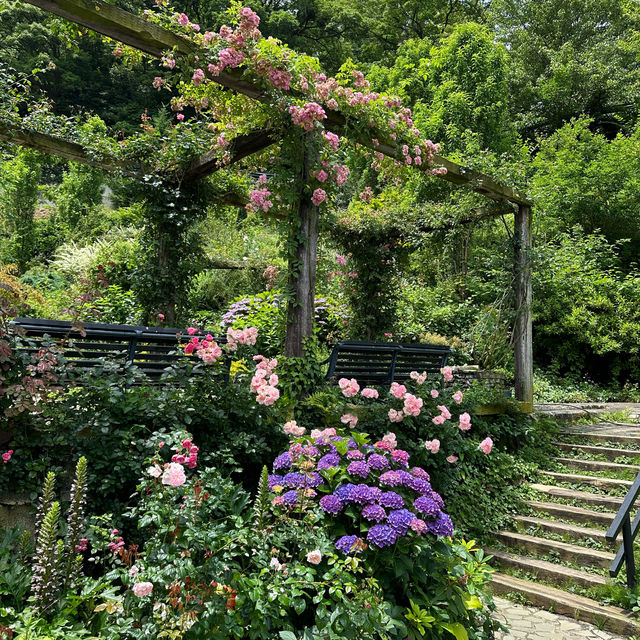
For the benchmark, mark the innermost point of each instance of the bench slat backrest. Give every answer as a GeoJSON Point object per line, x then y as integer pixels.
{"type": "Point", "coordinates": [384, 362]}
{"type": "Point", "coordinates": [151, 349]}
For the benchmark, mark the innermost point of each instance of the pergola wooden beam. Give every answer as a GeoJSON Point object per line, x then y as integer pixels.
{"type": "Point", "coordinates": [132, 30]}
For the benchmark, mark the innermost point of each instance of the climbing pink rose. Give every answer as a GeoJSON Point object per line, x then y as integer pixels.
{"type": "Point", "coordinates": [155, 471]}
{"type": "Point", "coordinates": [432, 445]}
{"type": "Point", "coordinates": [438, 419]}
{"type": "Point", "coordinates": [398, 390]}
{"type": "Point", "coordinates": [412, 405]}
{"type": "Point", "coordinates": [191, 330]}
{"type": "Point", "coordinates": [447, 372]}
{"type": "Point", "coordinates": [486, 445]}
{"type": "Point", "coordinates": [318, 197]}
{"type": "Point", "coordinates": [457, 396]}
{"type": "Point", "coordinates": [142, 589]}
{"type": "Point", "coordinates": [465, 422]}
{"type": "Point", "coordinates": [350, 419]}
{"type": "Point", "coordinates": [174, 475]}
{"type": "Point", "coordinates": [444, 411]}
{"type": "Point", "coordinates": [314, 557]}
{"type": "Point", "coordinates": [434, 393]}
{"type": "Point", "coordinates": [452, 459]}
{"type": "Point", "coordinates": [369, 393]}
{"type": "Point", "coordinates": [291, 428]}
{"type": "Point", "coordinates": [395, 416]}
{"type": "Point", "coordinates": [418, 377]}
{"type": "Point", "coordinates": [348, 387]}
{"type": "Point", "coordinates": [160, 316]}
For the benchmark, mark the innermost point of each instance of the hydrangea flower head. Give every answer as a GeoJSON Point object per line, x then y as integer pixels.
{"type": "Point", "coordinates": [441, 526]}
{"type": "Point", "coordinates": [400, 520]}
{"type": "Point", "coordinates": [361, 494]}
{"type": "Point", "coordinates": [349, 544]}
{"type": "Point", "coordinates": [382, 535]}
{"type": "Point", "coordinates": [427, 506]}
{"type": "Point", "coordinates": [378, 462]}
{"type": "Point", "coordinates": [283, 461]}
{"type": "Point", "coordinates": [329, 460]}
{"type": "Point", "coordinates": [391, 478]}
{"type": "Point", "coordinates": [374, 513]}
{"type": "Point", "coordinates": [331, 504]}
{"type": "Point", "coordinates": [358, 468]}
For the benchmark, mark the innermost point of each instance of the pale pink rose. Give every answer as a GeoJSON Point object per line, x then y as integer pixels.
{"type": "Point", "coordinates": [432, 445]}
{"type": "Point", "coordinates": [390, 439]}
{"type": "Point", "coordinates": [276, 564]}
{"type": "Point", "coordinates": [465, 422]}
{"type": "Point", "coordinates": [315, 433]}
{"type": "Point", "coordinates": [438, 419]}
{"type": "Point", "coordinates": [412, 405]}
{"type": "Point", "coordinates": [142, 589]}
{"type": "Point", "coordinates": [369, 393]}
{"type": "Point", "coordinates": [314, 557]}
{"type": "Point", "coordinates": [174, 475]}
{"type": "Point", "coordinates": [350, 419]}
{"type": "Point", "coordinates": [395, 416]}
{"type": "Point", "coordinates": [457, 396]}
{"type": "Point", "coordinates": [330, 431]}
{"type": "Point", "coordinates": [341, 260]}
{"type": "Point", "coordinates": [398, 390]}
{"type": "Point", "coordinates": [434, 393]}
{"type": "Point", "coordinates": [134, 571]}
{"type": "Point", "coordinates": [418, 377]}
{"type": "Point", "coordinates": [349, 388]}
{"type": "Point", "coordinates": [273, 380]}
{"type": "Point", "coordinates": [155, 471]}
{"type": "Point", "coordinates": [444, 411]}
{"type": "Point", "coordinates": [452, 459]}
{"type": "Point", "coordinates": [291, 428]}
{"type": "Point", "coordinates": [447, 372]}
{"type": "Point", "coordinates": [318, 197]}
{"type": "Point", "coordinates": [486, 445]}
{"type": "Point", "coordinates": [267, 395]}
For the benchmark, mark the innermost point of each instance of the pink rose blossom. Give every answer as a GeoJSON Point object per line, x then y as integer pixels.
{"type": "Point", "coordinates": [369, 393]}
{"type": "Point", "coordinates": [390, 439]}
{"type": "Point", "coordinates": [434, 393]}
{"type": "Point", "coordinates": [198, 77]}
{"type": "Point", "coordinates": [452, 459]}
{"type": "Point", "coordinates": [191, 330]}
{"type": "Point", "coordinates": [341, 260]}
{"type": "Point", "coordinates": [412, 405]}
{"type": "Point", "coordinates": [432, 445]}
{"type": "Point", "coordinates": [447, 372]}
{"type": "Point", "coordinates": [155, 471]}
{"type": "Point", "coordinates": [349, 388]}
{"type": "Point", "coordinates": [174, 475]}
{"type": "Point", "coordinates": [465, 422]}
{"type": "Point", "coordinates": [457, 396]}
{"type": "Point", "coordinates": [486, 445]}
{"type": "Point", "coordinates": [180, 116]}
{"type": "Point", "coordinates": [350, 419]}
{"type": "Point", "coordinates": [7, 456]}
{"type": "Point", "coordinates": [322, 175]}
{"type": "Point", "coordinates": [318, 197]}
{"type": "Point", "coordinates": [160, 317]}
{"type": "Point", "coordinates": [438, 419]}
{"type": "Point", "coordinates": [142, 589]}
{"type": "Point", "coordinates": [291, 428]}
{"type": "Point", "coordinates": [398, 390]}
{"type": "Point", "coordinates": [395, 416]}
{"type": "Point", "coordinates": [418, 377]}
{"type": "Point", "coordinates": [444, 411]}
{"type": "Point", "coordinates": [314, 557]}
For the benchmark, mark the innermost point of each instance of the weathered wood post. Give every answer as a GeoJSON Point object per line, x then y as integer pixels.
{"type": "Point", "coordinates": [523, 330]}
{"type": "Point", "coordinates": [302, 266]}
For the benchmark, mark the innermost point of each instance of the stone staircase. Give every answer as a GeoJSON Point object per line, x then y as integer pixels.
{"type": "Point", "coordinates": [556, 556]}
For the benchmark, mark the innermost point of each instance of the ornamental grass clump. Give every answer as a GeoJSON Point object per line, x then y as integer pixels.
{"type": "Point", "coordinates": [370, 492]}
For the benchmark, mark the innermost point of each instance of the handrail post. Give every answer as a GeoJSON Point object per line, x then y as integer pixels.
{"type": "Point", "coordinates": [629, 560]}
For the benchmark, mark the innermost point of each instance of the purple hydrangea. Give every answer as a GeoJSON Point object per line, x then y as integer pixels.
{"type": "Point", "coordinates": [391, 500]}
{"type": "Point", "coordinates": [343, 492]}
{"type": "Point", "coordinates": [295, 480]}
{"type": "Point", "coordinates": [405, 477]}
{"type": "Point", "coordinates": [354, 454]}
{"type": "Point", "coordinates": [376, 492]}
{"type": "Point", "coordinates": [419, 472]}
{"type": "Point", "coordinates": [290, 498]}
{"type": "Point", "coordinates": [310, 451]}
{"type": "Point", "coordinates": [331, 504]}
{"type": "Point", "coordinates": [313, 480]}
{"type": "Point", "coordinates": [400, 520]}
{"type": "Point", "coordinates": [391, 478]}
{"type": "Point", "coordinates": [437, 498]}
{"type": "Point", "coordinates": [352, 444]}
{"type": "Point", "coordinates": [382, 535]}
{"type": "Point", "coordinates": [358, 468]}
{"type": "Point", "coordinates": [378, 462]}
{"type": "Point", "coordinates": [328, 461]}
{"type": "Point", "coordinates": [374, 513]}
{"type": "Point", "coordinates": [441, 526]}
{"type": "Point", "coordinates": [283, 461]}
{"type": "Point", "coordinates": [423, 487]}
{"type": "Point", "coordinates": [361, 494]}
{"type": "Point", "coordinates": [349, 544]}
{"type": "Point", "coordinates": [426, 505]}
{"type": "Point", "coordinates": [275, 480]}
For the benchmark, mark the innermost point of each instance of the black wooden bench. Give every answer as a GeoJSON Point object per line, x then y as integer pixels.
{"type": "Point", "coordinates": [384, 362]}
{"type": "Point", "coordinates": [151, 349]}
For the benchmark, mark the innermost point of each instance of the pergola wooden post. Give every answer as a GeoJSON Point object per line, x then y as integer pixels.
{"type": "Point", "coordinates": [120, 25]}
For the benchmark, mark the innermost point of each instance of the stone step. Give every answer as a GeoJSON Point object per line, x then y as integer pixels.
{"type": "Point", "coordinates": [592, 481]}
{"type": "Point", "coordinates": [550, 571]}
{"type": "Point", "coordinates": [564, 550]}
{"type": "Point", "coordinates": [603, 436]}
{"type": "Point", "coordinates": [609, 452]}
{"type": "Point", "coordinates": [564, 529]}
{"type": "Point", "coordinates": [576, 514]}
{"type": "Point", "coordinates": [612, 619]}
{"type": "Point", "coordinates": [596, 465]}
{"type": "Point", "coordinates": [612, 503]}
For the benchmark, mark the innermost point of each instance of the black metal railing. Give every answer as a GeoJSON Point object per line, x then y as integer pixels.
{"type": "Point", "coordinates": [622, 522]}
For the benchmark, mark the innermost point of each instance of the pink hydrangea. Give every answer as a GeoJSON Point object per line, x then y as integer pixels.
{"type": "Point", "coordinates": [318, 197]}
{"type": "Point", "coordinates": [447, 372]}
{"type": "Point", "coordinates": [291, 428]}
{"type": "Point", "coordinates": [432, 445]}
{"type": "Point", "coordinates": [395, 416]}
{"type": "Point", "coordinates": [457, 397]}
{"type": "Point", "coordinates": [486, 445]}
{"type": "Point", "coordinates": [412, 405]}
{"type": "Point", "coordinates": [465, 421]}
{"type": "Point", "coordinates": [444, 411]}
{"type": "Point", "coordinates": [398, 390]}
{"type": "Point", "coordinates": [174, 475]}
{"type": "Point", "coordinates": [367, 392]}
{"type": "Point", "coordinates": [350, 419]}
{"type": "Point", "coordinates": [142, 589]}
{"type": "Point", "coordinates": [348, 387]}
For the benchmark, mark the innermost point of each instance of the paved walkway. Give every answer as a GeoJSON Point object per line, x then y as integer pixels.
{"type": "Point", "coordinates": [529, 623]}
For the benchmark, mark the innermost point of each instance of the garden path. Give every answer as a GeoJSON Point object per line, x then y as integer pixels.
{"type": "Point", "coordinates": [529, 623]}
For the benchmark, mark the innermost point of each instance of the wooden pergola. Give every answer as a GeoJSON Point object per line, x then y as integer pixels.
{"type": "Point", "coordinates": [127, 28]}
